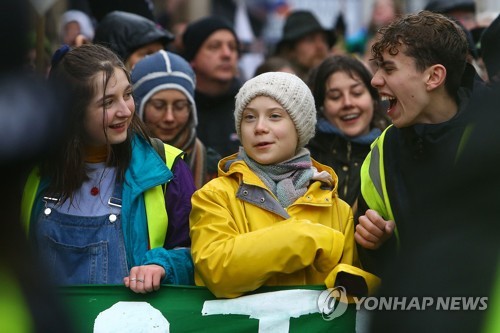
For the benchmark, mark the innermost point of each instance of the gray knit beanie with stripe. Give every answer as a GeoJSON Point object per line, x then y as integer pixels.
{"type": "Point", "coordinates": [160, 71]}
{"type": "Point", "coordinates": [288, 90]}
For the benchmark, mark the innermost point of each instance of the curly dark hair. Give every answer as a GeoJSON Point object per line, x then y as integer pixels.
{"type": "Point", "coordinates": [430, 38]}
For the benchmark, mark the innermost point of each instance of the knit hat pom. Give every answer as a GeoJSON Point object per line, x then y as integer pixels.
{"type": "Point", "coordinates": [288, 90]}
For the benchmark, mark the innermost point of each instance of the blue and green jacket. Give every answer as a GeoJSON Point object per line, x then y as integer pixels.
{"type": "Point", "coordinates": [145, 210]}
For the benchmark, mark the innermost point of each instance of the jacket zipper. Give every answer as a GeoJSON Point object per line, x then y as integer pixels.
{"type": "Point", "coordinates": [346, 183]}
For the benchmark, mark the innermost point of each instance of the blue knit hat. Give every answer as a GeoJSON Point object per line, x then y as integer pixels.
{"type": "Point", "coordinates": [159, 71]}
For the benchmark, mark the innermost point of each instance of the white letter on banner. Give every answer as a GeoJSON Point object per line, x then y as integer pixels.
{"type": "Point", "coordinates": [273, 309]}
{"type": "Point", "coordinates": [131, 317]}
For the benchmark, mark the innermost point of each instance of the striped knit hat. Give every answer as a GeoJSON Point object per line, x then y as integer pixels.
{"type": "Point", "coordinates": [288, 90]}
{"type": "Point", "coordinates": [159, 71]}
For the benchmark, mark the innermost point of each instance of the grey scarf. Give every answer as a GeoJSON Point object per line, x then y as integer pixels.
{"type": "Point", "coordinates": [287, 180]}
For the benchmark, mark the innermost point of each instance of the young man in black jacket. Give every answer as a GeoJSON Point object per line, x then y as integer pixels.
{"type": "Point", "coordinates": [422, 72]}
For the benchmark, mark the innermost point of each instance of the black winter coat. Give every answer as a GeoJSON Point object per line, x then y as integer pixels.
{"type": "Point", "coordinates": [345, 157]}
{"type": "Point", "coordinates": [216, 120]}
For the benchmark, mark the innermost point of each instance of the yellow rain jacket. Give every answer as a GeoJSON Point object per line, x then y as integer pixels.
{"type": "Point", "coordinates": [243, 239]}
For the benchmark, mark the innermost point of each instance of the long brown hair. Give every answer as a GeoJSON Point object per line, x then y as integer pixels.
{"type": "Point", "coordinates": [77, 71]}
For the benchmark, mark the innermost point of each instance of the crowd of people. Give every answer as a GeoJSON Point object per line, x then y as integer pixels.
{"type": "Point", "coordinates": [322, 169]}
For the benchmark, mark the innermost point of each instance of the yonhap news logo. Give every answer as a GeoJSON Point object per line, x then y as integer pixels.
{"type": "Point", "coordinates": [449, 303]}
{"type": "Point", "coordinates": [333, 303]}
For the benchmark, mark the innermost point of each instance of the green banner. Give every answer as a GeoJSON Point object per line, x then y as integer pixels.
{"type": "Point", "coordinates": [195, 309]}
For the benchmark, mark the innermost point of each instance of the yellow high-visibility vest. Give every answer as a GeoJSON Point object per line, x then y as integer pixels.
{"type": "Point", "coordinates": [154, 200]}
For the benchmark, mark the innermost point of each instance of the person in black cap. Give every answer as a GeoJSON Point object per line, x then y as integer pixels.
{"type": "Point", "coordinates": [304, 42]}
{"type": "Point", "coordinates": [212, 49]}
{"type": "Point", "coordinates": [131, 36]}
{"type": "Point", "coordinates": [463, 11]}
{"type": "Point", "coordinates": [490, 51]}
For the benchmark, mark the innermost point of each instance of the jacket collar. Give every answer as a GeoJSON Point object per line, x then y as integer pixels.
{"type": "Point", "coordinates": [253, 190]}
{"type": "Point", "coordinates": [146, 168]}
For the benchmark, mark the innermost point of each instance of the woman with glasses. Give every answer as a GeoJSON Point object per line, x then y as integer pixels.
{"type": "Point", "coordinates": [164, 86]}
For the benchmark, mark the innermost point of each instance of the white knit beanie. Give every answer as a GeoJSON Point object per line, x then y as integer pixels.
{"type": "Point", "coordinates": [288, 90]}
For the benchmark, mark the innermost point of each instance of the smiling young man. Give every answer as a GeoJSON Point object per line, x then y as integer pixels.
{"type": "Point", "coordinates": [422, 72]}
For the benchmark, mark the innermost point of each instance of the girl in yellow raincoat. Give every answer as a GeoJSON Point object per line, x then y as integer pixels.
{"type": "Point", "coordinates": [273, 216]}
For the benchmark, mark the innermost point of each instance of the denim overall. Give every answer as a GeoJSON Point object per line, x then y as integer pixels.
{"type": "Point", "coordinates": [83, 249]}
